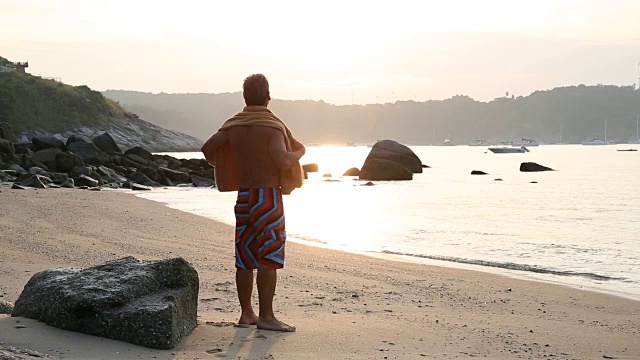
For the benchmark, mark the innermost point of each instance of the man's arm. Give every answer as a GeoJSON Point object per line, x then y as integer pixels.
{"type": "Point", "coordinates": [212, 144]}
{"type": "Point", "coordinates": [278, 148]}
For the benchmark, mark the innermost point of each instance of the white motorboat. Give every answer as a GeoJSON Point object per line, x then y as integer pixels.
{"type": "Point", "coordinates": [597, 141]}
{"type": "Point", "coordinates": [508, 150]}
{"type": "Point", "coordinates": [525, 142]}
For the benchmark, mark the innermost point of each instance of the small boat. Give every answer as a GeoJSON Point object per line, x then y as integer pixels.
{"type": "Point", "coordinates": [447, 142]}
{"type": "Point", "coordinates": [597, 142]}
{"type": "Point", "coordinates": [525, 142]}
{"type": "Point", "coordinates": [508, 150]}
{"type": "Point", "coordinates": [627, 149]}
{"type": "Point", "coordinates": [480, 142]}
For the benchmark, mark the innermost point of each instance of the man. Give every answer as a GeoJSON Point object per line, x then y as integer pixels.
{"type": "Point", "coordinates": [255, 154]}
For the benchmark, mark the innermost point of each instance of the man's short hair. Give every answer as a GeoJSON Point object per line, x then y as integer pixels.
{"type": "Point", "coordinates": [256, 90]}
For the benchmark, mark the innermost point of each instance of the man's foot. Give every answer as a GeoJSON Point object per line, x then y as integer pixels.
{"type": "Point", "coordinates": [250, 319]}
{"type": "Point", "coordinates": [275, 325]}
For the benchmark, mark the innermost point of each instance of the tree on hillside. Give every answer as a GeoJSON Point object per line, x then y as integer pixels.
{"type": "Point", "coordinates": [7, 102]}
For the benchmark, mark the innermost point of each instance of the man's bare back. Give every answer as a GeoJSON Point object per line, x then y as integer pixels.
{"type": "Point", "coordinates": [256, 165]}
{"type": "Point", "coordinates": [260, 153]}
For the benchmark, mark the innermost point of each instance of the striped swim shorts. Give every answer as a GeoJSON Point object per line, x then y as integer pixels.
{"type": "Point", "coordinates": [260, 233]}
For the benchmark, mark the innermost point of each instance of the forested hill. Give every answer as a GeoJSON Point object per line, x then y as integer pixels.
{"type": "Point", "coordinates": [577, 113]}
{"type": "Point", "coordinates": [33, 105]}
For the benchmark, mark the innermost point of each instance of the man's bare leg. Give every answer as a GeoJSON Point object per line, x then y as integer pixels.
{"type": "Point", "coordinates": [244, 285]}
{"type": "Point", "coordinates": [267, 279]}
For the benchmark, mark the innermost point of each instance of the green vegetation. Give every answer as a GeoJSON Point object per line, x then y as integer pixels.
{"type": "Point", "coordinates": [28, 102]}
{"type": "Point", "coordinates": [4, 61]}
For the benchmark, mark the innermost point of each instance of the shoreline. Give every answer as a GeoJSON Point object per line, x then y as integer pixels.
{"type": "Point", "coordinates": [344, 305]}
{"type": "Point", "coordinates": [545, 275]}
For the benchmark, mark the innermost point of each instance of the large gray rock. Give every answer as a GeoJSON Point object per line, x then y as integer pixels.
{"type": "Point", "coordinates": [379, 169]}
{"type": "Point", "coordinates": [65, 162]}
{"type": "Point", "coordinates": [17, 168]}
{"type": "Point", "coordinates": [47, 157]}
{"type": "Point", "coordinates": [47, 142]}
{"type": "Point", "coordinates": [176, 177]}
{"type": "Point", "coordinates": [89, 153]}
{"type": "Point", "coordinates": [138, 151]}
{"type": "Point", "coordinates": [110, 175]}
{"type": "Point", "coordinates": [24, 148]}
{"type": "Point", "coordinates": [396, 152]}
{"type": "Point", "coordinates": [149, 303]}
{"type": "Point", "coordinates": [84, 180]}
{"type": "Point", "coordinates": [143, 179]}
{"type": "Point", "coordinates": [106, 143]}
{"type": "Point", "coordinates": [78, 138]}
{"type": "Point", "coordinates": [199, 181]}
{"type": "Point", "coordinates": [34, 181]}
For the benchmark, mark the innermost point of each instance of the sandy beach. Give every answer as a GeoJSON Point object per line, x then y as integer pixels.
{"type": "Point", "coordinates": [345, 306]}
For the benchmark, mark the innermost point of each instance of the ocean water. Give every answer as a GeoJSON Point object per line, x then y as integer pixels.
{"type": "Point", "coordinates": [578, 226]}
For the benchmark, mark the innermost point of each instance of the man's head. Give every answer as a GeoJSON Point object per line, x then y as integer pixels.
{"type": "Point", "coordinates": [256, 90]}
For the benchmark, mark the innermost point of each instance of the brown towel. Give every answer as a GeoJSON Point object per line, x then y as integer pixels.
{"type": "Point", "coordinates": [226, 167]}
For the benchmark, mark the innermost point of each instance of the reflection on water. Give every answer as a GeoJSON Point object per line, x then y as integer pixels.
{"type": "Point", "coordinates": [554, 226]}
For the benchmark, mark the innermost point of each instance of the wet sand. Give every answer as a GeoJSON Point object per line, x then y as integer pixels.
{"type": "Point", "coordinates": [345, 306]}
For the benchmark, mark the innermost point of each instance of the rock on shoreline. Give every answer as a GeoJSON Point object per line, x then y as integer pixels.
{"type": "Point", "coordinates": [46, 161]}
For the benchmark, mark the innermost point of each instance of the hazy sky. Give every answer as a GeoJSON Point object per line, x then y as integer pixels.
{"type": "Point", "coordinates": [337, 51]}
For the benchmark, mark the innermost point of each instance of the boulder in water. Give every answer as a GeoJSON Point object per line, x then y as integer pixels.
{"type": "Point", "coordinates": [533, 167]}
{"type": "Point", "coordinates": [393, 151]}
{"type": "Point", "coordinates": [379, 169]}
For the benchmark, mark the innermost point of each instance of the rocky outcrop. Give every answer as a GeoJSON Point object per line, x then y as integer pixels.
{"type": "Point", "coordinates": [393, 151]}
{"type": "Point", "coordinates": [379, 169]}
{"type": "Point", "coordinates": [80, 162]}
{"type": "Point", "coordinates": [533, 167]}
{"type": "Point", "coordinates": [148, 303]}
{"type": "Point", "coordinates": [478, 172]}
{"type": "Point", "coordinates": [126, 133]}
